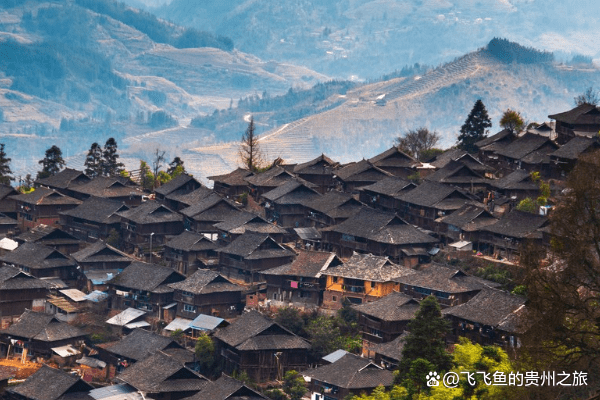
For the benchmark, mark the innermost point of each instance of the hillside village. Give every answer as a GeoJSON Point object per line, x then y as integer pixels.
{"type": "Point", "coordinates": [107, 289]}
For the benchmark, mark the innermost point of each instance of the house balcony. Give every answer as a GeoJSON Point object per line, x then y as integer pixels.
{"type": "Point", "coordinates": [354, 245]}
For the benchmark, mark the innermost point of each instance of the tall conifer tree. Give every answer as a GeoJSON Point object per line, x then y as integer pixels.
{"type": "Point", "coordinates": [475, 127]}
{"type": "Point", "coordinates": [5, 171]}
{"type": "Point", "coordinates": [111, 164]}
{"type": "Point", "coordinates": [93, 161]}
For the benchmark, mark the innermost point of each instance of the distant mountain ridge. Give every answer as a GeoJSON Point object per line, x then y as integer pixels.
{"type": "Point", "coordinates": [369, 38]}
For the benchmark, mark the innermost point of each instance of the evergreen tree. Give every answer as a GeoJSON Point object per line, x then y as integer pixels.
{"type": "Point", "coordinates": [176, 167]}
{"type": "Point", "coordinates": [250, 154]}
{"type": "Point", "coordinates": [475, 127]}
{"type": "Point", "coordinates": [51, 163]}
{"type": "Point", "coordinates": [93, 161]}
{"type": "Point", "coordinates": [426, 338]}
{"type": "Point", "coordinates": [5, 171]}
{"type": "Point", "coordinates": [111, 165]}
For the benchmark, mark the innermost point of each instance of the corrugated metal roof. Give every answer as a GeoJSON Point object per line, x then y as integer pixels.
{"type": "Point", "coordinates": [74, 294]}
{"type": "Point", "coordinates": [8, 244]}
{"type": "Point", "coordinates": [336, 355]}
{"type": "Point", "coordinates": [206, 322]}
{"type": "Point", "coordinates": [125, 317]}
{"type": "Point", "coordinates": [66, 351]}
{"type": "Point", "coordinates": [137, 324]}
{"type": "Point", "coordinates": [123, 391]}
{"type": "Point", "coordinates": [91, 362]}
{"type": "Point", "coordinates": [179, 323]}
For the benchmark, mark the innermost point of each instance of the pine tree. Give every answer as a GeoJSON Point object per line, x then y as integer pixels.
{"type": "Point", "coordinates": [5, 171]}
{"type": "Point", "coordinates": [51, 163]}
{"type": "Point", "coordinates": [111, 166]}
{"type": "Point", "coordinates": [176, 167]}
{"type": "Point", "coordinates": [250, 154]}
{"type": "Point", "coordinates": [475, 127]}
{"type": "Point", "coordinates": [426, 338]}
{"type": "Point", "coordinates": [93, 161]}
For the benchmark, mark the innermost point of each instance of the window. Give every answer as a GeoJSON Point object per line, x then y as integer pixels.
{"type": "Point", "coordinates": [187, 294]}
{"type": "Point", "coordinates": [189, 308]}
{"type": "Point", "coordinates": [333, 298]}
{"type": "Point", "coordinates": [376, 332]}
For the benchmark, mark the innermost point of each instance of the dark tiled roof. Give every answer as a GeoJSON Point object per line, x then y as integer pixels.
{"type": "Point", "coordinates": [523, 146]}
{"type": "Point", "coordinates": [176, 184]}
{"type": "Point", "coordinates": [234, 178]}
{"type": "Point", "coordinates": [489, 307]}
{"type": "Point", "coordinates": [101, 252]}
{"type": "Point", "coordinates": [192, 197]}
{"type": "Point", "coordinates": [151, 212]}
{"type": "Point", "coordinates": [329, 201]}
{"type": "Point", "coordinates": [441, 160]}
{"type": "Point", "coordinates": [227, 388]}
{"type": "Point", "coordinates": [143, 276]}
{"type": "Point", "coordinates": [466, 216]}
{"type": "Point", "coordinates": [139, 344]}
{"type": "Point", "coordinates": [191, 241]}
{"type": "Point", "coordinates": [270, 178]}
{"type": "Point", "coordinates": [47, 234]}
{"type": "Point", "coordinates": [97, 209]}
{"type": "Point", "coordinates": [503, 134]}
{"type": "Point", "coordinates": [242, 222]}
{"type": "Point", "coordinates": [44, 196]}
{"type": "Point", "coordinates": [381, 227]}
{"type": "Point", "coordinates": [212, 207]}
{"type": "Point", "coordinates": [440, 278]}
{"type": "Point", "coordinates": [49, 384]}
{"type": "Point", "coordinates": [575, 147]}
{"type": "Point", "coordinates": [64, 179]}
{"type": "Point", "coordinates": [256, 245]}
{"type": "Point", "coordinates": [254, 331]}
{"type": "Point", "coordinates": [36, 256]}
{"type": "Point", "coordinates": [369, 268]}
{"type": "Point", "coordinates": [42, 327]}
{"type": "Point", "coordinates": [582, 114]}
{"type": "Point", "coordinates": [321, 165]}
{"type": "Point", "coordinates": [391, 186]}
{"type": "Point", "coordinates": [393, 307]}
{"type": "Point", "coordinates": [519, 179]}
{"type": "Point", "coordinates": [392, 349]}
{"type": "Point", "coordinates": [159, 373]}
{"type": "Point", "coordinates": [352, 372]}
{"type": "Point", "coordinates": [12, 278]}
{"type": "Point", "coordinates": [109, 186]}
{"type": "Point", "coordinates": [294, 191]}
{"type": "Point", "coordinates": [517, 224]}
{"type": "Point", "coordinates": [429, 194]}
{"type": "Point", "coordinates": [204, 281]}
{"type": "Point", "coordinates": [308, 264]}
{"type": "Point", "coordinates": [393, 157]}
{"type": "Point", "coordinates": [6, 190]}
{"type": "Point", "coordinates": [361, 171]}
{"type": "Point", "coordinates": [456, 172]}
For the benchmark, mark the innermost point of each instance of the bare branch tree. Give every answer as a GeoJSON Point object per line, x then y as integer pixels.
{"type": "Point", "coordinates": [249, 152]}
{"type": "Point", "coordinates": [416, 142]}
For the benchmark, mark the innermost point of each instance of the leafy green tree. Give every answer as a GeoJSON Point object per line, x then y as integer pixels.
{"type": "Point", "coordinates": [205, 353]}
{"type": "Point", "coordinates": [114, 238]}
{"type": "Point", "coordinates": [51, 163]}
{"type": "Point", "coordinates": [475, 127]}
{"type": "Point", "coordinates": [426, 338]}
{"type": "Point", "coordinates": [176, 167]}
{"type": "Point", "coordinates": [512, 120]}
{"type": "Point", "coordinates": [93, 161]}
{"type": "Point", "coordinates": [418, 142]}
{"type": "Point", "coordinates": [110, 163]}
{"type": "Point", "coordinates": [5, 171]}
{"type": "Point", "coordinates": [293, 385]}
{"type": "Point", "coordinates": [146, 176]}
{"type": "Point", "coordinates": [290, 318]}
{"type": "Point", "coordinates": [527, 205]}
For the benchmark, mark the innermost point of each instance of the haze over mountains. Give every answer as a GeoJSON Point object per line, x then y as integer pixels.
{"type": "Point", "coordinates": [369, 38]}
{"type": "Point", "coordinates": [73, 73]}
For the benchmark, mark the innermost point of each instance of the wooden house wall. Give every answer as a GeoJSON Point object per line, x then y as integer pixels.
{"type": "Point", "coordinates": [224, 304]}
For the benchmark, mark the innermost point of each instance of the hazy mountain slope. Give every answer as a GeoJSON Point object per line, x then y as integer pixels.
{"type": "Point", "coordinates": [369, 38]}
{"type": "Point", "coordinates": [65, 63]}
{"type": "Point", "coordinates": [371, 116]}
